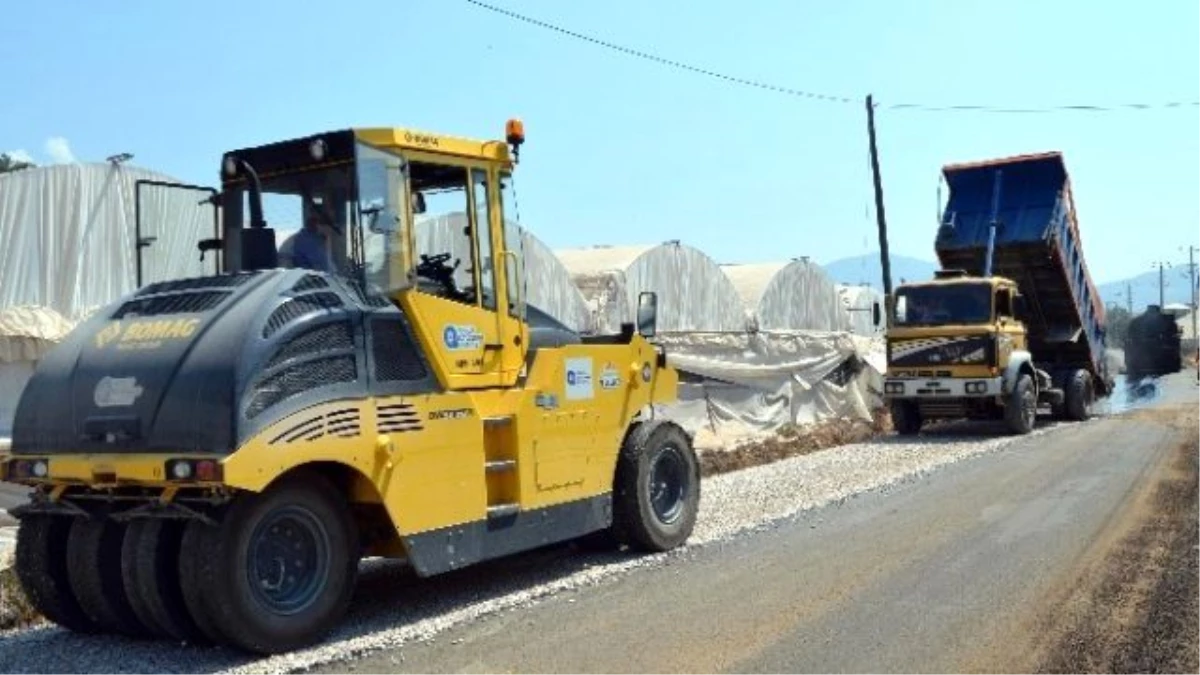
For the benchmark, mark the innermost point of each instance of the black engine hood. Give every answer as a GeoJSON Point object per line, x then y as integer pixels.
{"type": "Point", "coordinates": [198, 365]}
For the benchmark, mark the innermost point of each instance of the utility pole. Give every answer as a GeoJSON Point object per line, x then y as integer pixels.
{"type": "Point", "coordinates": [1161, 284]}
{"type": "Point", "coordinates": [1161, 297]}
{"type": "Point", "coordinates": [1129, 297]}
{"type": "Point", "coordinates": [880, 218]}
{"type": "Point", "coordinates": [1192, 268]}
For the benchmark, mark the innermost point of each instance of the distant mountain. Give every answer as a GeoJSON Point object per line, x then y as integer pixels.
{"type": "Point", "coordinates": [866, 269]}
{"type": "Point", "coordinates": [1144, 287]}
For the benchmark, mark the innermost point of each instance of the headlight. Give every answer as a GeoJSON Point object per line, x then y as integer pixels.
{"type": "Point", "coordinates": [893, 388]}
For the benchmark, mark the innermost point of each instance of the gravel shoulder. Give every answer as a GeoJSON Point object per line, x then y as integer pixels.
{"type": "Point", "coordinates": [394, 609]}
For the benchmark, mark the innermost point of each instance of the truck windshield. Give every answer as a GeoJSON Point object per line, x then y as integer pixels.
{"type": "Point", "coordinates": [964, 303]}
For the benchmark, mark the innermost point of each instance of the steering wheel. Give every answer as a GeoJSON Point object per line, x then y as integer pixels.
{"type": "Point", "coordinates": [434, 267]}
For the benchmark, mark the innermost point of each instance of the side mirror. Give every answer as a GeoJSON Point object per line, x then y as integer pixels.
{"type": "Point", "coordinates": [418, 203]}
{"type": "Point", "coordinates": [876, 314]}
{"type": "Point", "coordinates": [647, 314]}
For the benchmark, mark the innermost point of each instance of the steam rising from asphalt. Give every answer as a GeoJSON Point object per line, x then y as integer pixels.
{"type": "Point", "coordinates": [1129, 395]}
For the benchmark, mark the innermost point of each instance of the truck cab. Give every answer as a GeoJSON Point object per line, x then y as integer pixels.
{"type": "Point", "coordinates": [950, 343]}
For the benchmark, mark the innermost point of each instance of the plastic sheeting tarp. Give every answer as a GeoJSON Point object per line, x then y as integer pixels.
{"type": "Point", "coordinates": [693, 294]}
{"type": "Point", "coordinates": [68, 235]}
{"type": "Point", "coordinates": [28, 332]}
{"type": "Point", "coordinates": [738, 387]}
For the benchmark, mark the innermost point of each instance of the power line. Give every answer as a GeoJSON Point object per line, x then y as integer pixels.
{"type": "Point", "coordinates": [662, 60]}
{"type": "Point", "coordinates": [789, 91]}
{"type": "Point", "coordinates": [1044, 109]}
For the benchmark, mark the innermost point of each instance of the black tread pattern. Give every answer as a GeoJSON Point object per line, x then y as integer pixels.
{"type": "Point", "coordinates": [150, 569]}
{"type": "Point", "coordinates": [195, 548]}
{"type": "Point", "coordinates": [906, 418]}
{"type": "Point", "coordinates": [94, 568]}
{"type": "Point", "coordinates": [1012, 412]}
{"type": "Point", "coordinates": [41, 562]}
{"type": "Point", "coordinates": [1077, 395]}
{"type": "Point", "coordinates": [634, 523]}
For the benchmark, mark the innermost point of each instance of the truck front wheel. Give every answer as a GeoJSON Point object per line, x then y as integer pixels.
{"type": "Point", "coordinates": [906, 418]}
{"type": "Point", "coordinates": [1021, 412]}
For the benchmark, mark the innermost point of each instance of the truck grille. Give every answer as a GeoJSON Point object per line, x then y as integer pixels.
{"type": "Point", "coordinates": [941, 351]}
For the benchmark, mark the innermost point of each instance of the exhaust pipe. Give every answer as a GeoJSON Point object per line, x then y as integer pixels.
{"type": "Point", "coordinates": [991, 245]}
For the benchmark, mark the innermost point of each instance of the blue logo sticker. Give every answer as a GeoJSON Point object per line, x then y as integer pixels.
{"type": "Point", "coordinates": [450, 337]}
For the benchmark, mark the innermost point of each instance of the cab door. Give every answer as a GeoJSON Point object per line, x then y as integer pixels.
{"type": "Point", "coordinates": [454, 298]}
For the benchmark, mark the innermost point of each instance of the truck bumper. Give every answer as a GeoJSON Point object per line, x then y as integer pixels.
{"type": "Point", "coordinates": [922, 388]}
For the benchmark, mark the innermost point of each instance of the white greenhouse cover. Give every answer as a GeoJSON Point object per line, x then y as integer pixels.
{"type": "Point", "coordinates": [859, 302]}
{"type": "Point", "coordinates": [68, 236]}
{"type": "Point", "coordinates": [693, 294]}
{"type": "Point", "coordinates": [795, 295]}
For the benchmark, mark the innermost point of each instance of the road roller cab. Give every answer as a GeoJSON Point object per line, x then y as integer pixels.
{"type": "Point", "coordinates": [212, 456]}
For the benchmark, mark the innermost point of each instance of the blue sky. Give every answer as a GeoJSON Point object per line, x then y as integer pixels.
{"type": "Point", "coordinates": [624, 151]}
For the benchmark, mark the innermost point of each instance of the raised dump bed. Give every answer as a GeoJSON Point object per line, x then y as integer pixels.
{"type": "Point", "coordinates": [1037, 244]}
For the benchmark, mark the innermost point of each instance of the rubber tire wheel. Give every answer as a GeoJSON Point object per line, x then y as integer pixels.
{"type": "Point", "coordinates": [1016, 414]}
{"type": "Point", "coordinates": [198, 541]}
{"type": "Point", "coordinates": [906, 418]}
{"type": "Point", "coordinates": [94, 568]}
{"type": "Point", "coordinates": [634, 521]}
{"type": "Point", "coordinates": [150, 570]}
{"type": "Point", "coordinates": [1079, 396]}
{"type": "Point", "coordinates": [217, 587]}
{"type": "Point", "coordinates": [41, 562]}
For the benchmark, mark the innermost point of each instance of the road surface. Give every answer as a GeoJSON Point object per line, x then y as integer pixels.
{"type": "Point", "coordinates": [1064, 553]}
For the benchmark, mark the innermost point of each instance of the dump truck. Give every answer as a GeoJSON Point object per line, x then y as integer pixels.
{"type": "Point", "coordinates": [211, 457]}
{"type": "Point", "coordinates": [1012, 323]}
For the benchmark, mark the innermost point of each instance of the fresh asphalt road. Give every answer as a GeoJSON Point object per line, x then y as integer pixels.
{"type": "Point", "coordinates": [960, 571]}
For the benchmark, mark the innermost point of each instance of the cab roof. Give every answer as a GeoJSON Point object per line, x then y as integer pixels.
{"type": "Point", "coordinates": [338, 147]}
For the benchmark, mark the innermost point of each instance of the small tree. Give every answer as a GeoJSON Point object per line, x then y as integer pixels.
{"type": "Point", "coordinates": [8, 163]}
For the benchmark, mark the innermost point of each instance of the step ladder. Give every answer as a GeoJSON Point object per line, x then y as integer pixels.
{"type": "Point", "coordinates": [500, 466]}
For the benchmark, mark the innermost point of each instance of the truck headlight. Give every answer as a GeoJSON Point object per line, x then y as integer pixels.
{"type": "Point", "coordinates": [976, 387]}
{"type": "Point", "coordinates": [893, 388]}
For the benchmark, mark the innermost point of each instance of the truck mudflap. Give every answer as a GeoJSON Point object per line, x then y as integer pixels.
{"type": "Point", "coordinates": [942, 387]}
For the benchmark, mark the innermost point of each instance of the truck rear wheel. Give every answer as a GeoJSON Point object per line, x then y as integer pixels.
{"type": "Point", "coordinates": [906, 418]}
{"type": "Point", "coordinates": [41, 561]}
{"type": "Point", "coordinates": [657, 488]}
{"type": "Point", "coordinates": [94, 566]}
{"type": "Point", "coordinates": [1079, 395]}
{"type": "Point", "coordinates": [1021, 412]}
{"type": "Point", "coordinates": [150, 570]}
{"type": "Point", "coordinates": [278, 571]}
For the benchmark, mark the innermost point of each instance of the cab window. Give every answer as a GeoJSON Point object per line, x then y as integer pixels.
{"type": "Point", "coordinates": [513, 268]}
{"type": "Point", "coordinates": [442, 242]}
{"type": "Point", "coordinates": [483, 252]}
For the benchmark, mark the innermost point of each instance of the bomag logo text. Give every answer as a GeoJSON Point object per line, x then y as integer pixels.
{"type": "Point", "coordinates": [145, 334]}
